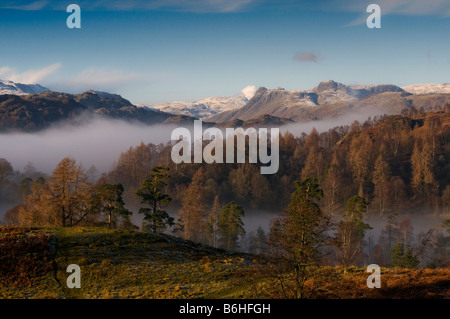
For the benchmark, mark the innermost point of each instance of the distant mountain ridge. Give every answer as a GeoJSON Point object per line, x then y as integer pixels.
{"type": "Point", "coordinates": [203, 108]}
{"type": "Point", "coordinates": [34, 112]}
{"type": "Point", "coordinates": [26, 110]}
{"type": "Point", "coordinates": [9, 87]}
{"type": "Point", "coordinates": [330, 99]}
{"type": "Point", "coordinates": [428, 88]}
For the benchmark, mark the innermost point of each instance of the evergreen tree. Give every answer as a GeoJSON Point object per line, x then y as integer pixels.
{"type": "Point", "coordinates": [403, 256]}
{"type": "Point", "coordinates": [299, 233]}
{"type": "Point", "coordinates": [230, 225]}
{"type": "Point", "coordinates": [112, 203]}
{"type": "Point", "coordinates": [151, 192]}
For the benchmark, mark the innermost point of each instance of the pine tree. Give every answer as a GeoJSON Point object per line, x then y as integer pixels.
{"type": "Point", "coordinates": [111, 202]}
{"type": "Point", "coordinates": [299, 233]}
{"type": "Point", "coordinates": [151, 192]}
{"type": "Point", "coordinates": [403, 256]}
{"type": "Point", "coordinates": [230, 225]}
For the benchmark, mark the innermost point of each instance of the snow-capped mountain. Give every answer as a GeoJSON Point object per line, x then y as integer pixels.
{"type": "Point", "coordinates": [301, 104]}
{"type": "Point", "coordinates": [9, 87]}
{"type": "Point", "coordinates": [330, 92]}
{"type": "Point", "coordinates": [427, 88]}
{"type": "Point", "coordinates": [201, 109]}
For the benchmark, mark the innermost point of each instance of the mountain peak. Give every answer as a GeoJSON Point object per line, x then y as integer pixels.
{"type": "Point", "coordinates": [10, 87]}
{"type": "Point", "coordinates": [329, 85]}
{"type": "Point", "coordinates": [261, 90]}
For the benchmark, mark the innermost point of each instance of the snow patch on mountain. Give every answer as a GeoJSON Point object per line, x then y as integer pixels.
{"type": "Point", "coordinates": [203, 108]}
{"type": "Point", "coordinates": [9, 87]}
{"type": "Point", "coordinates": [427, 88]}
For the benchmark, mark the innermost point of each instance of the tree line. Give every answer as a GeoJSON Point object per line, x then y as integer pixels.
{"type": "Point", "coordinates": [384, 166]}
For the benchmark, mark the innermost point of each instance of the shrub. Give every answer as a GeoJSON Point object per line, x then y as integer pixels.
{"type": "Point", "coordinates": [23, 255]}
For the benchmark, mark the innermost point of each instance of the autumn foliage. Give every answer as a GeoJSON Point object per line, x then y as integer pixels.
{"type": "Point", "coordinates": [24, 255]}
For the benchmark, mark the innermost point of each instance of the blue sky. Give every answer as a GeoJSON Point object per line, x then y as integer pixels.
{"type": "Point", "coordinates": [158, 51]}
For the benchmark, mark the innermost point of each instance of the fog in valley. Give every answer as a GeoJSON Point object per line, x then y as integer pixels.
{"type": "Point", "coordinates": [98, 142]}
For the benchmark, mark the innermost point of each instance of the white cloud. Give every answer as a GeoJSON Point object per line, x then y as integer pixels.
{"type": "Point", "coordinates": [249, 91]}
{"type": "Point", "coordinates": [30, 76]}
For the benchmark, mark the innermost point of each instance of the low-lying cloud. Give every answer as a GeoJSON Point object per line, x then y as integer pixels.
{"type": "Point", "coordinates": [328, 123]}
{"type": "Point", "coordinates": [98, 143]}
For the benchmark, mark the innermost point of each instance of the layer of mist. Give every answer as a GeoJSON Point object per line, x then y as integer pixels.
{"type": "Point", "coordinates": [97, 142]}
{"type": "Point", "coordinates": [328, 123]}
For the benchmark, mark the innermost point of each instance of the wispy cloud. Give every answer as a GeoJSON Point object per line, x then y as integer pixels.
{"type": "Point", "coordinates": [439, 8]}
{"type": "Point", "coordinates": [104, 79]}
{"type": "Point", "coordinates": [99, 79]}
{"type": "Point", "coordinates": [306, 57]}
{"type": "Point", "coordinates": [30, 76]}
{"type": "Point", "coordinates": [199, 6]}
{"type": "Point", "coordinates": [202, 6]}
{"type": "Point", "coordinates": [25, 5]}
{"type": "Point", "coordinates": [404, 7]}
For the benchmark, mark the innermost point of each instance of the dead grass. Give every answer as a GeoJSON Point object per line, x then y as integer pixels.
{"type": "Point", "coordinates": [125, 264]}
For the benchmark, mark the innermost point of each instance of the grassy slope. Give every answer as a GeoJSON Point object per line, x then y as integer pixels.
{"type": "Point", "coordinates": [119, 263]}
{"type": "Point", "coordinates": [123, 264]}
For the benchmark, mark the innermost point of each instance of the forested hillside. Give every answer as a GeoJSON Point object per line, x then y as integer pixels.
{"type": "Point", "coordinates": [384, 167]}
